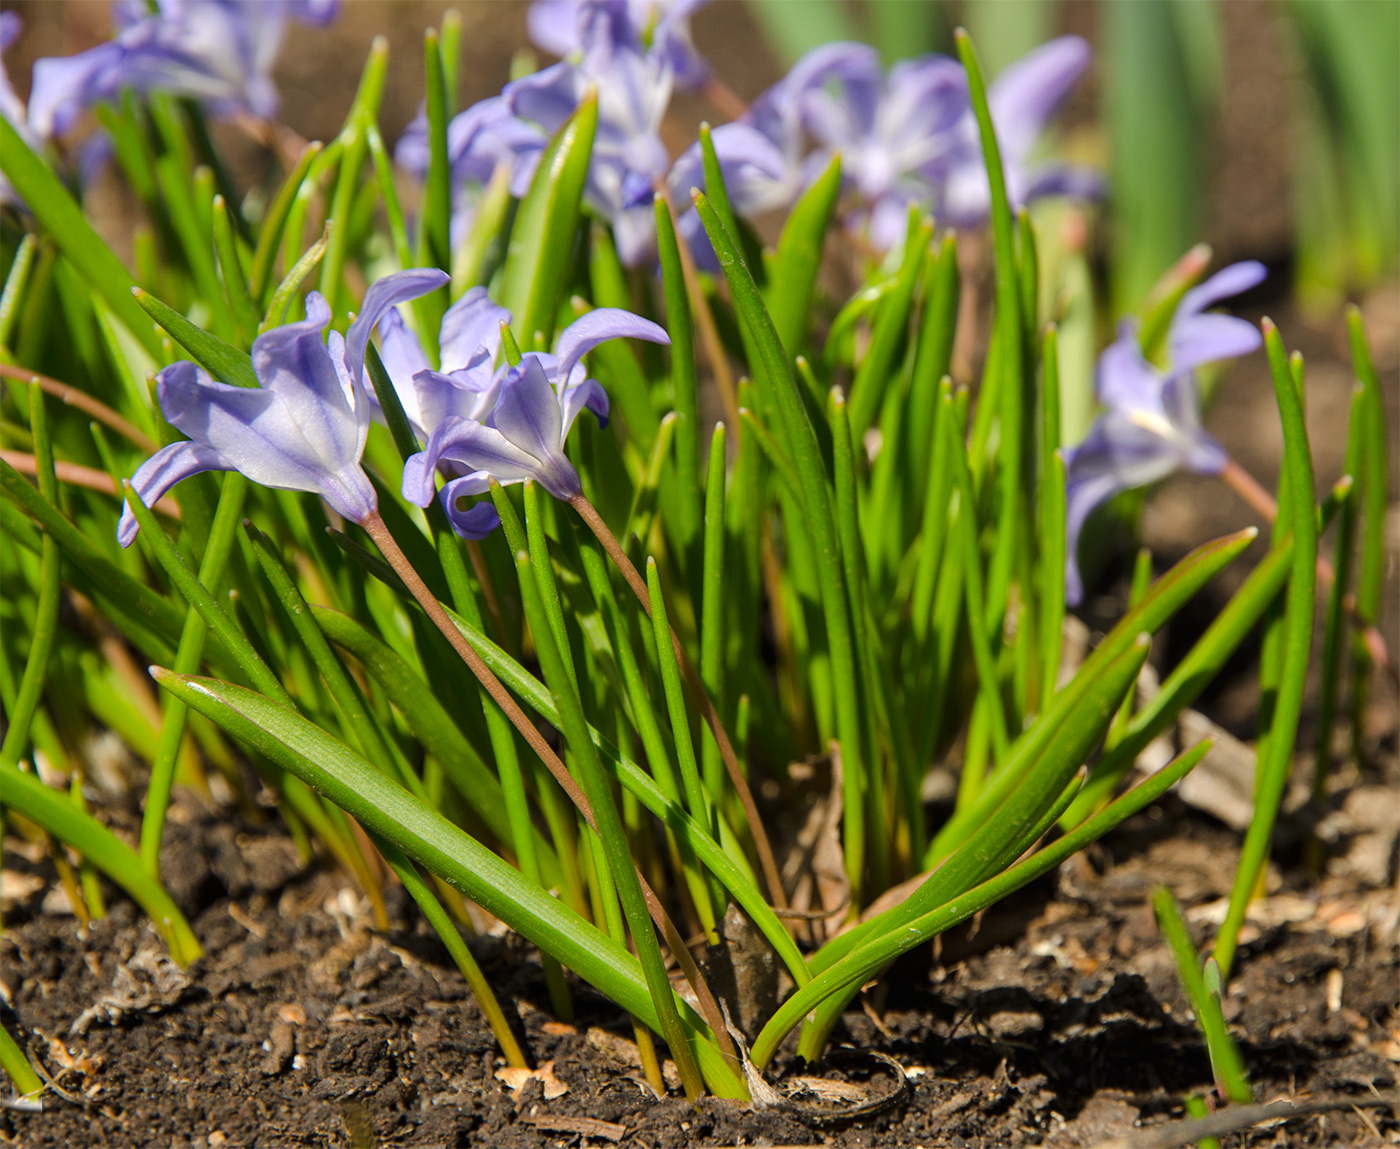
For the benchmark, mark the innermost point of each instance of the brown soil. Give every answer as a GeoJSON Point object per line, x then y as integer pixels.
{"type": "Point", "coordinates": [303, 1026]}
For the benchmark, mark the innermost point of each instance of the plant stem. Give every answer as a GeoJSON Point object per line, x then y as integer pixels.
{"type": "Point", "coordinates": [766, 858]}
{"type": "Point", "coordinates": [74, 397]}
{"type": "Point", "coordinates": [375, 528]}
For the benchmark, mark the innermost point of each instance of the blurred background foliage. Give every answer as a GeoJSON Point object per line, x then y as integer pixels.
{"type": "Point", "coordinates": [1164, 71]}
{"type": "Point", "coordinates": [1270, 128]}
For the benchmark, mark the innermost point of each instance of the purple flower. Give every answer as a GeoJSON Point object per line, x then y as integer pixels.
{"type": "Point", "coordinates": [1152, 423]}
{"type": "Point", "coordinates": [664, 25]}
{"type": "Point", "coordinates": [1022, 99]}
{"type": "Point", "coordinates": [523, 435]}
{"type": "Point", "coordinates": [303, 429]}
{"type": "Point", "coordinates": [11, 106]}
{"type": "Point", "coordinates": [220, 52]}
{"type": "Point", "coordinates": [761, 158]}
{"type": "Point", "coordinates": [468, 342]}
{"type": "Point", "coordinates": [478, 140]}
{"type": "Point", "coordinates": [633, 84]}
{"type": "Point", "coordinates": [894, 133]}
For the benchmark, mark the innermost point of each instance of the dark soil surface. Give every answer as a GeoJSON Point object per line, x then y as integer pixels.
{"type": "Point", "coordinates": [304, 1026]}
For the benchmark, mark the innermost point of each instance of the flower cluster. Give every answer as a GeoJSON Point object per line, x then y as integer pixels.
{"type": "Point", "coordinates": [509, 424]}
{"type": "Point", "coordinates": [905, 137]}
{"type": "Point", "coordinates": [1151, 423]}
{"type": "Point", "coordinates": [303, 429]}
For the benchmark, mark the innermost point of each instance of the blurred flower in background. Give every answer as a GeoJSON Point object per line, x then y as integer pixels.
{"type": "Point", "coordinates": [905, 136]}
{"type": "Point", "coordinates": [662, 25]}
{"type": "Point", "coordinates": [219, 52]}
{"type": "Point", "coordinates": [1151, 426]}
{"type": "Point", "coordinates": [1022, 99]}
{"type": "Point", "coordinates": [11, 106]}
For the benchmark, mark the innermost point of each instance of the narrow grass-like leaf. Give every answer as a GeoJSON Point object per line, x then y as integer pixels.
{"type": "Point", "coordinates": [610, 830]}
{"type": "Point", "coordinates": [712, 629]}
{"type": "Point", "coordinates": [397, 816]}
{"type": "Point", "coordinates": [63, 219]}
{"type": "Point", "coordinates": [374, 742]}
{"type": "Point", "coordinates": [198, 596]}
{"type": "Point", "coordinates": [56, 812]}
{"type": "Point", "coordinates": [240, 300]}
{"type": "Point", "coordinates": [1167, 596]}
{"type": "Point", "coordinates": [292, 281]}
{"type": "Point", "coordinates": [1050, 610]}
{"type": "Point", "coordinates": [157, 615]}
{"type": "Point", "coordinates": [15, 282]}
{"type": "Point", "coordinates": [23, 1079]}
{"type": "Point", "coordinates": [1298, 627]}
{"type": "Point", "coordinates": [275, 223]}
{"type": "Point", "coordinates": [1225, 1058]}
{"type": "Point", "coordinates": [792, 277]}
{"type": "Point", "coordinates": [20, 711]}
{"type": "Point", "coordinates": [222, 360]}
{"type": "Point", "coordinates": [942, 290]}
{"type": "Point", "coordinates": [696, 798]}
{"type": "Point", "coordinates": [1374, 496]}
{"type": "Point", "coordinates": [1335, 624]}
{"type": "Point", "coordinates": [436, 249]}
{"type": "Point", "coordinates": [815, 493]}
{"type": "Point", "coordinates": [857, 967]}
{"type": "Point", "coordinates": [425, 715]}
{"type": "Point", "coordinates": [999, 838]}
{"type": "Point", "coordinates": [740, 884]}
{"type": "Point", "coordinates": [875, 372]}
{"type": "Point", "coordinates": [537, 543]}
{"type": "Point", "coordinates": [1007, 360]}
{"type": "Point", "coordinates": [188, 655]}
{"type": "Point", "coordinates": [687, 433]}
{"type": "Point", "coordinates": [535, 273]}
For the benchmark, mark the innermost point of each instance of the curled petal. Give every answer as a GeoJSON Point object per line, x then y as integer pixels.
{"type": "Point", "coordinates": [527, 412]}
{"type": "Point", "coordinates": [838, 121]}
{"type": "Point", "coordinates": [589, 394]}
{"type": "Point", "coordinates": [547, 97]}
{"type": "Point", "coordinates": [471, 446]}
{"type": "Point", "coordinates": [294, 365]}
{"type": "Point", "coordinates": [382, 295]}
{"type": "Point", "coordinates": [162, 471]}
{"type": "Point", "coordinates": [598, 326]}
{"type": "Point", "coordinates": [1124, 379]}
{"type": "Point", "coordinates": [1081, 499]}
{"type": "Point", "coordinates": [252, 429]}
{"type": "Point", "coordinates": [477, 520]}
{"type": "Point", "coordinates": [399, 348]}
{"type": "Point", "coordinates": [469, 393]}
{"type": "Point", "coordinates": [553, 25]}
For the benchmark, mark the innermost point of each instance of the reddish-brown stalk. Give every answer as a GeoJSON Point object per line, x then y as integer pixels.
{"type": "Point", "coordinates": [73, 397]}
{"type": "Point", "coordinates": [389, 548]}
{"type": "Point", "coordinates": [767, 862]}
